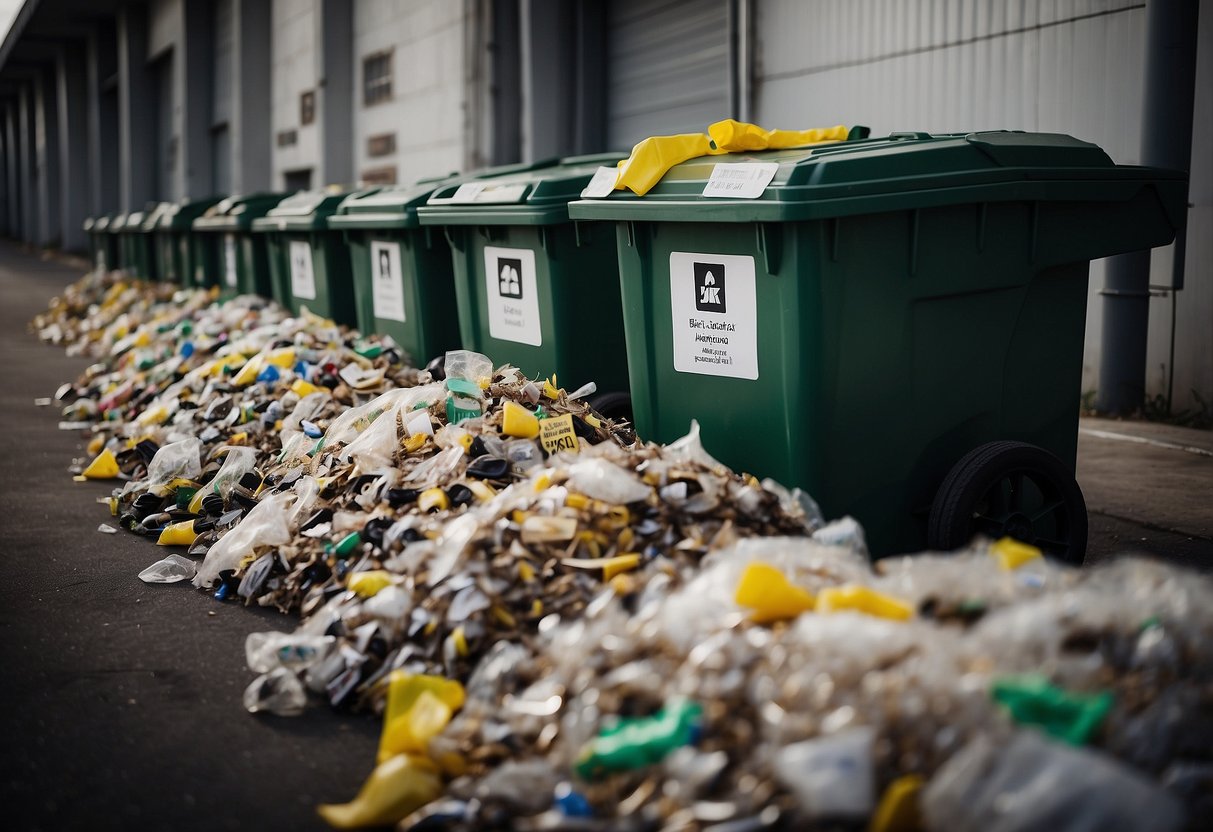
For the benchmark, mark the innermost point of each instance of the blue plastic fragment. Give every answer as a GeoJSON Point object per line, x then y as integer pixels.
{"type": "Point", "coordinates": [187, 349]}
{"type": "Point", "coordinates": [310, 429]}
{"type": "Point", "coordinates": [270, 373]}
{"type": "Point", "coordinates": [222, 592]}
{"type": "Point", "coordinates": [572, 804]}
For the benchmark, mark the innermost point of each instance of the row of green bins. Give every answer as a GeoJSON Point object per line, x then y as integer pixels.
{"type": "Point", "coordinates": [896, 324]}
{"type": "Point", "coordinates": [132, 246]}
{"type": "Point", "coordinates": [533, 288]}
{"type": "Point", "coordinates": [103, 245]}
{"type": "Point", "coordinates": [238, 259]}
{"type": "Point", "coordinates": [170, 229]}
{"type": "Point", "coordinates": [401, 272]}
{"type": "Point", "coordinates": [309, 264]}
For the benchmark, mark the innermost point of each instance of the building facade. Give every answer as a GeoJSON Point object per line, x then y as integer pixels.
{"type": "Point", "coordinates": [106, 105]}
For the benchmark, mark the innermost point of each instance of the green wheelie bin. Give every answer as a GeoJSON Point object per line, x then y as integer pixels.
{"type": "Point", "coordinates": [535, 289]}
{"type": "Point", "coordinates": [894, 324]}
{"type": "Point", "coordinates": [138, 258]}
{"type": "Point", "coordinates": [102, 243]}
{"type": "Point", "coordinates": [225, 233]}
{"type": "Point", "coordinates": [403, 285]}
{"type": "Point", "coordinates": [309, 264]}
{"type": "Point", "coordinates": [170, 227]}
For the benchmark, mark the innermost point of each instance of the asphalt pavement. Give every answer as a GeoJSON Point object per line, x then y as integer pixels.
{"type": "Point", "coordinates": [121, 701]}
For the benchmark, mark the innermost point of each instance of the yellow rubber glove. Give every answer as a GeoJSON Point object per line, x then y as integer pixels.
{"type": "Point", "coordinates": [731, 136]}
{"type": "Point", "coordinates": [655, 155]}
{"type": "Point", "coordinates": [395, 789]}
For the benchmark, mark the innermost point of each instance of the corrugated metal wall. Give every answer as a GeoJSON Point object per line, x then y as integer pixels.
{"type": "Point", "coordinates": [668, 67]}
{"type": "Point", "coordinates": [1066, 66]}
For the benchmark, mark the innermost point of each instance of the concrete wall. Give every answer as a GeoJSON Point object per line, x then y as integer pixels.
{"type": "Point", "coordinates": [293, 71]}
{"type": "Point", "coordinates": [426, 109]}
{"type": "Point", "coordinates": [1065, 66]}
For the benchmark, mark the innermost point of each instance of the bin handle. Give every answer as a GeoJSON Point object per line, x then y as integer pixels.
{"type": "Point", "coordinates": [908, 136]}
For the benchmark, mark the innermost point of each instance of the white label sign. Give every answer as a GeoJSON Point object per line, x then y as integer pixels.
{"type": "Point", "coordinates": [229, 260]}
{"type": "Point", "coordinates": [467, 192]}
{"type": "Point", "coordinates": [387, 283]}
{"type": "Point", "coordinates": [740, 181]}
{"type": "Point", "coordinates": [603, 184]}
{"type": "Point", "coordinates": [101, 260]}
{"type": "Point", "coordinates": [509, 275]}
{"type": "Point", "coordinates": [303, 282]}
{"type": "Point", "coordinates": [714, 314]}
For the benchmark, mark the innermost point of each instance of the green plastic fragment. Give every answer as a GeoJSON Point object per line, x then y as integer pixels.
{"type": "Point", "coordinates": [1152, 621]}
{"type": "Point", "coordinates": [184, 496]}
{"type": "Point", "coordinates": [368, 350]}
{"type": "Point", "coordinates": [463, 387]}
{"type": "Point", "coordinates": [635, 743]}
{"type": "Point", "coordinates": [1032, 700]}
{"type": "Point", "coordinates": [346, 546]}
{"type": "Point", "coordinates": [459, 408]}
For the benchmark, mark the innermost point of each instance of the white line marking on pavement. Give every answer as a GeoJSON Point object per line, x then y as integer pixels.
{"type": "Point", "coordinates": [1141, 440]}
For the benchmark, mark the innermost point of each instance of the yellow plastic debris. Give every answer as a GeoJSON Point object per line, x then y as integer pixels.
{"type": "Point", "coordinates": [481, 489]}
{"type": "Point", "coordinates": [249, 372]}
{"type": "Point", "coordinates": [619, 564]}
{"type": "Point", "coordinates": [865, 600]}
{"type": "Point", "coordinates": [525, 571]}
{"type": "Point", "coordinates": [415, 442]}
{"type": "Point", "coordinates": [433, 499]}
{"type": "Point", "coordinates": [550, 389]}
{"type": "Point", "coordinates": [395, 789]}
{"type": "Point", "coordinates": [369, 583]}
{"type": "Point", "coordinates": [519, 422]}
{"type": "Point", "coordinates": [103, 467]}
{"type": "Point", "coordinates": [303, 388]}
{"type": "Point", "coordinates": [238, 438]}
{"type": "Point", "coordinates": [96, 444]}
{"type": "Point", "coordinates": [418, 708]}
{"type": "Point", "coordinates": [898, 810]}
{"type": "Point", "coordinates": [1011, 554]}
{"type": "Point", "coordinates": [731, 136]}
{"type": "Point", "coordinates": [284, 357]}
{"type": "Point", "coordinates": [178, 534]}
{"type": "Point", "coordinates": [460, 640]}
{"type": "Point", "coordinates": [771, 596]}
{"type": "Point", "coordinates": [195, 506]}
{"type": "Point", "coordinates": [157, 415]}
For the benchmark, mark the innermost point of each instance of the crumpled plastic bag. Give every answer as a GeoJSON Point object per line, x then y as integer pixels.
{"type": "Point", "coordinates": [177, 459]}
{"type": "Point", "coordinates": [1034, 783]}
{"type": "Point", "coordinates": [267, 524]}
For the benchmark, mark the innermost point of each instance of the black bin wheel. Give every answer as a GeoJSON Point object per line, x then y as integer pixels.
{"type": "Point", "coordinates": [616, 406]}
{"type": "Point", "coordinates": [1011, 489]}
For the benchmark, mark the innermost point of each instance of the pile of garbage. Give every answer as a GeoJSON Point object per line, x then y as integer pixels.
{"type": "Point", "coordinates": [565, 627]}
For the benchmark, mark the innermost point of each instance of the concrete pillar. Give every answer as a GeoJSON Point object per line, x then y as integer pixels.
{"type": "Point", "coordinates": [74, 180]}
{"type": "Point", "coordinates": [29, 171]}
{"type": "Point", "coordinates": [251, 133]}
{"type": "Point", "coordinates": [335, 92]}
{"type": "Point", "coordinates": [5, 188]}
{"type": "Point", "coordinates": [137, 111]}
{"type": "Point", "coordinates": [47, 158]}
{"type": "Point", "coordinates": [101, 67]}
{"type": "Point", "coordinates": [193, 95]}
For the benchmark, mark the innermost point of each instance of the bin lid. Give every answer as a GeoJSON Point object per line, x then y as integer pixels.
{"type": "Point", "coordinates": [303, 211]}
{"type": "Point", "coordinates": [536, 196]}
{"type": "Point", "coordinates": [102, 223]}
{"type": "Point", "coordinates": [178, 216]}
{"type": "Point", "coordinates": [897, 172]}
{"type": "Point", "coordinates": [394, 206]}
{"type": "Point", "coordinates": [153, 215]}
{"type": "Point", "coordinates": [237, 212]}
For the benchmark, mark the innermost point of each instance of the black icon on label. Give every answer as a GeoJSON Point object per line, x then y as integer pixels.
{"type": "Point", "coordinates": [385, 264]}
{"type": "Point", "coordinates": [509, 278]}
{"type": "Point", "coordinates": [709, 287]}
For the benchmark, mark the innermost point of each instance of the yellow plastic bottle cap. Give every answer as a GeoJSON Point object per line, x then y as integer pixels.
{"type": "Point", "coordinates": [865, 600]}
{"type": "Point", "coordinates": [770, 595]}
{"type": "Point", "coordinates": [1012, 554]}
{"type": "Point", "coordinates": [520, 422]}
{"type": "Point", "coordinates": [103, 467]}
{"type": "Point", "coordinates": [178, 534]}
{"type": "Point", "coordinates": [368, 583]}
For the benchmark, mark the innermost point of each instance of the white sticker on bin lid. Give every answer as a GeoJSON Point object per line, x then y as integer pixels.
{"type": "Point", "coordinates": [303, 282]}
{"type": "Point", "coordinates": [387, 282]}
{"type": "Point", "coordinates": [513, 298]}
{"type": "Point", "coordinates": [603, 183]}
{"type": "Point", "coordinates": [487, 192]}
{"type": "Point", "coordinates": [467, 192]}
{"type": "Point", "coordinates": [740, 181]}
{"type": "Point", "coordinates": [714, 314]}
{"type": "Point", "coordinates": [229, 260]}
